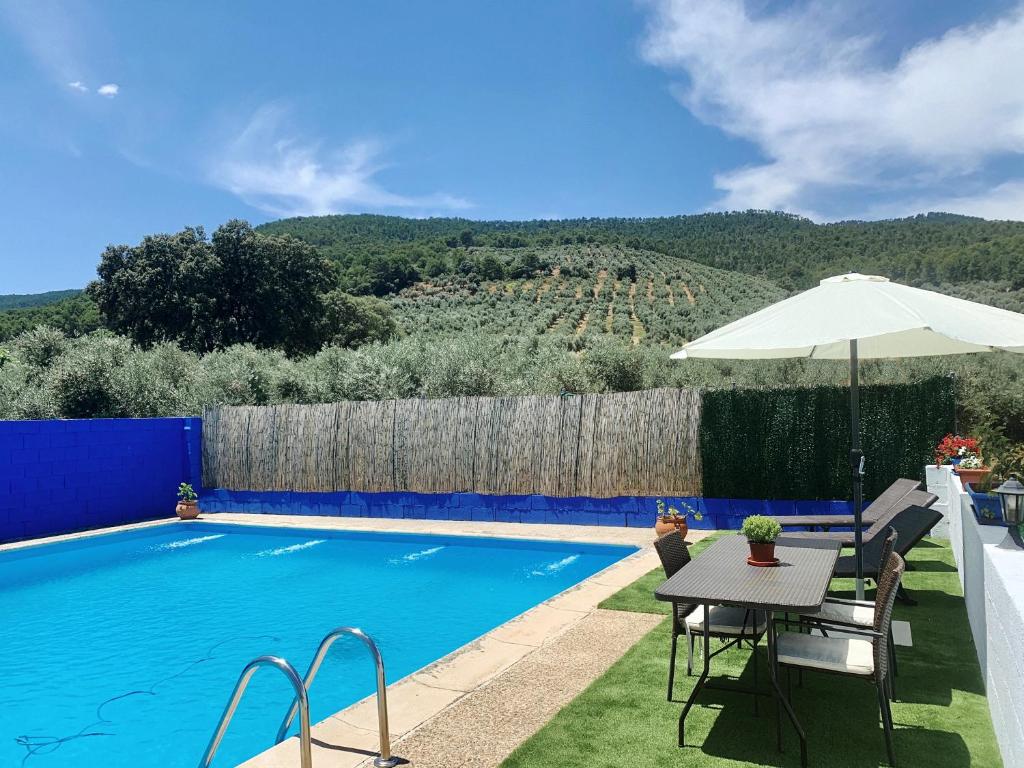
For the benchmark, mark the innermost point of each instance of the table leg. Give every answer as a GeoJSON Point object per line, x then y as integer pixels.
{"type": "Point", "coordinates": [781, 700]}
{"type": "Point", "coordinates": [703, 675]}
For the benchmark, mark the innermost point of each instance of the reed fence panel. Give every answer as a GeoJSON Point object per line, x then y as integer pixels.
{"type": "Point", "coordinates": [633, 443]}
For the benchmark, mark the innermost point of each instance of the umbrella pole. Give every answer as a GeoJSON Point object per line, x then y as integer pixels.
{"type": "Point", "coordinates": [856, 467]}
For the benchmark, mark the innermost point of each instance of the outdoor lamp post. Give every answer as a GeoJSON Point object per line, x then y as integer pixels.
{"type": "Point", "coordinates": [1011, 499]}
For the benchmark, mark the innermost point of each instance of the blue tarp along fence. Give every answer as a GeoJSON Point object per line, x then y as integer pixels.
{"type": "Point", "coordinates": [631, 511]}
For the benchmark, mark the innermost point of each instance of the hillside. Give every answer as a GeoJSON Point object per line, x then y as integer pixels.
{"type": "Point", "coordinates": [582, 292]}
{"type": "Point", "coordinates": [635, 279]}
{"type": "Point", "coordinates": [74, 315]}
{"type": "Point", "coordinates": [791, 251]}
{"type": "Point", "coordinates": [499, 308]}
{"type": "Point", "coordinates": [23, 300]}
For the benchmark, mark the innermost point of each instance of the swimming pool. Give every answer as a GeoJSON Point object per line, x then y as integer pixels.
{"type": "Point", "coordinates": [122, 648]}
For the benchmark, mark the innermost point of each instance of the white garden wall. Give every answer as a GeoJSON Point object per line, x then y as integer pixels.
{"type": "Point", "coordinates": [991, 566]}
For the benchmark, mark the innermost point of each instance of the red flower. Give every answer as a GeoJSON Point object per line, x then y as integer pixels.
{"type": "Point", "coordinates": [955, 446]}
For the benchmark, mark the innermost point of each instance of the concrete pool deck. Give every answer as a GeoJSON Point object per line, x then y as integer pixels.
{"type": "Point", "coordinates": [478, 703]}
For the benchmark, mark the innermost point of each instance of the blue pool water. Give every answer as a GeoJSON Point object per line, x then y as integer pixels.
{"type": "Point", "coordinates": [121, 649]}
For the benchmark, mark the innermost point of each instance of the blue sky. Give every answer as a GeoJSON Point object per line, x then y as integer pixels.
{"type": "Point", "coordinates": [120, 119]}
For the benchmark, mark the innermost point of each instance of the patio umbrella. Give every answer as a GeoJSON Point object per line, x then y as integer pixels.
{"type": "Point", "coordinates": [860, 317]}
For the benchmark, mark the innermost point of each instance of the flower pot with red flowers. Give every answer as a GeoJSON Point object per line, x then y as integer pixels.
{"type": "Point", "coordinates": [761, 532]}
{"type": "Point", "coordinates": [188, 502]}
{"type": "Point", "coordinates": [953, 449]}
{"type": "Point", "coordinates": [964, 455]}
{"type": "Point", "coordinates": [671, 518]}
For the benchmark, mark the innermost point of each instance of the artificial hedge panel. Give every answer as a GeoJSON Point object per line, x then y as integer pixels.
{"type": "Point", "coordinates": [795, 443]}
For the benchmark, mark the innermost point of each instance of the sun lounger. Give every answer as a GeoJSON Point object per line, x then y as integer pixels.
{"type": "Point", "coordinates": [888, 498]}
{"type": "Point", "coordinates": [918, 499]}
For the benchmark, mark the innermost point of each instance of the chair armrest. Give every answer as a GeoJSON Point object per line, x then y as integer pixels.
{"type": "Point", "coordinates": [843, 626]}
{"type": "Point", "coordinates": [847, 601]}
{"type": "Point", "coordinates": [858, 631]}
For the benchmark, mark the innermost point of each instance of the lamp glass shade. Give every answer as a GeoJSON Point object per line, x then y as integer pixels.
{"type": "Point", "coordinates": [1011, 499]}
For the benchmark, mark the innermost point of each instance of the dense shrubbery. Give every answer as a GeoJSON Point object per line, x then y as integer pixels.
{"type": "Point", "coordinates": [44, 374]}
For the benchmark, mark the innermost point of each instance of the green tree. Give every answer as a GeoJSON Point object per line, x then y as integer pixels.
{"type": "Point", "coordinates": [353, 320]}
{"type": "Point", "coordinates": [380, 275]}
{"type": "Point", "coordinates": [241, 287]}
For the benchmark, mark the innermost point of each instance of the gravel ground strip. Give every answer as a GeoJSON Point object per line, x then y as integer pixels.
{"type": "Point", "coordinates": [483, 727]}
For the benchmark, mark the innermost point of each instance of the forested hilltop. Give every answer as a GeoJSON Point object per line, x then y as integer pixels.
{"type": "Point", "coordinates": [792, 251]}
{"type": "Point", "coordinates": [373, 307]}
{"type": "Point", "coordinates": [23, 300]}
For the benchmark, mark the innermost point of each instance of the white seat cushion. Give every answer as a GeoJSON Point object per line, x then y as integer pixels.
{"type": "Point", "coordinates": [727, 621]}
{"type": "Point", "coordinates": [852, 656]}
{"type": "Point", "coordinates": [860, 613]}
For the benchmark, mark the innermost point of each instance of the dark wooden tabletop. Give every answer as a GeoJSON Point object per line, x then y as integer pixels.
{"type": "Point", "coordinates": [720, 575]}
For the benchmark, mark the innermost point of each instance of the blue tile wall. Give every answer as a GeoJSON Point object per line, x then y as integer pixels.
{"type": "Point", "coordinates": [630, 511]}
{"type": "Point", "coordinates": [61, 476]}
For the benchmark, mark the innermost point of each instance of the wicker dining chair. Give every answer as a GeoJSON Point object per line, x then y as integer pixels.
{"type": "Point", "coordinates": [864, 654]}
{"type": "Point", "coordinates": [733, 625]}
{"type": "Point", "coordinates": [841, 613]}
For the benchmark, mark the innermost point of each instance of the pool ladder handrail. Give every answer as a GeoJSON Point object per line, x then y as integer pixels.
{"type": "Point", "coordinates": [301, 702]}
{"type": "Point", "coordinates": [385, 759]}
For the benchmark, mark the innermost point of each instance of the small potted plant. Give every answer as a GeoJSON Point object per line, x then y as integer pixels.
{"type": "Point", "coordinates": [188, 502]}
{"type": "Point", "coordinates": [671, 519]}
{"type": "Point", "coordinates": [761, 532]}
{"type": "Point", "coordinates": [972, 469]}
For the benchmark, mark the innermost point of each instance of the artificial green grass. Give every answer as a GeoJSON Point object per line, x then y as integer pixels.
{"type": "Point", "coordinates": [941, 714]}
{"type": "Point", "coordinates": [639, 596]}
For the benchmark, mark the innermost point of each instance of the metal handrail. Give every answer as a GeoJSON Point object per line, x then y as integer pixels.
{"type": "Point", "coordinates": [301, 702]}
{"type": "Point", "coordinates": [385, 760]}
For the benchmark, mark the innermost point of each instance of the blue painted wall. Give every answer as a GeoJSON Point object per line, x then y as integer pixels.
{"type": "Point", "coordinates": [631, 511]}
{"type": "Point", "coordinates": [68, 475]}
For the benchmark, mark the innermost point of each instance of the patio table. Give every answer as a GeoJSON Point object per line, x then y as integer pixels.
{"type": "Point", "coordinates": [721, 576]}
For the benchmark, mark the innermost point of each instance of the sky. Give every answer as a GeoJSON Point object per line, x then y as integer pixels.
{"type": "Point", "coordinates": [120, 119]}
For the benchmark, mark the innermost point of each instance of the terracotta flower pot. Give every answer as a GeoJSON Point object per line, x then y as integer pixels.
{"type": "Point", "coordinates": [187, 510]}
{"type": "Point", "coordinates": [762, 553]}
{"type": "Point", "coordinates": [668, 523]}
{"type": "Point", "coordinates": [972, 476]}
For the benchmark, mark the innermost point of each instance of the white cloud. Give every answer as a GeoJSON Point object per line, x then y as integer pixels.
{"type": "Point", "coordinates": [59, 39]}
{"type": "Point", "coordinates": [831, 119]}
{"type": "Point", "coordinates": [272, 169]}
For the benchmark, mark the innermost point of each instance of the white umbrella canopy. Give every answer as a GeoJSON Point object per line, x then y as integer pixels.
{"type": "Point", "coordinates": [885, 318]}
{"type": "Point", "coordinates": [858, 316]}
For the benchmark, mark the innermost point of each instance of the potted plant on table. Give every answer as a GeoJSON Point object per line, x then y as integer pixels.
{"type": "Point", "coordinates": [188, 502]}
{"type": "Point", "coordinates": [671, 518]}
{"type": "Point", "coordinates": [761, 532]}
